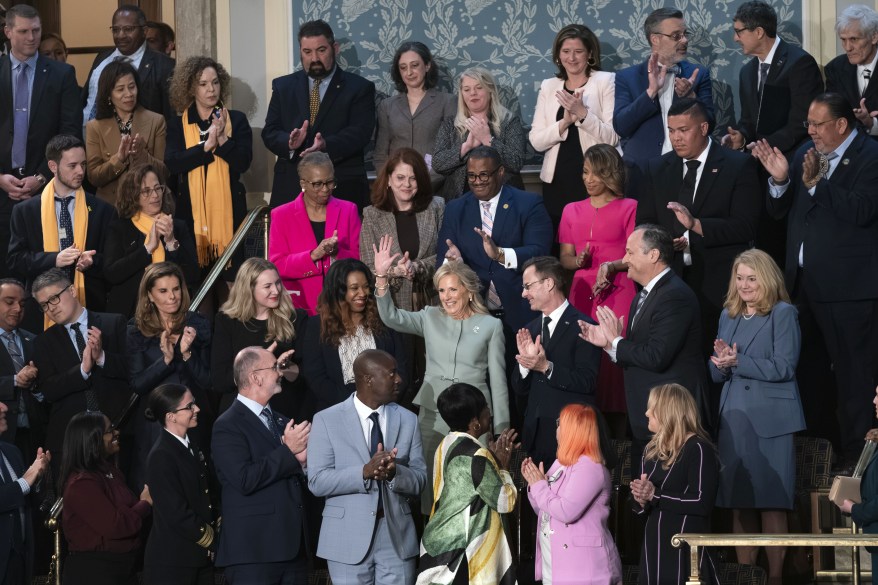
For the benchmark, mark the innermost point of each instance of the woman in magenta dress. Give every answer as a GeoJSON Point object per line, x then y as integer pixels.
{"type": "Point", "coordinates": [592, 235]}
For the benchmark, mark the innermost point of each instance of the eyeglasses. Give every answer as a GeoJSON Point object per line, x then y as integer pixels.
{"type": "Point", "coordinates": [481, 177]}
{"type": "Point", "coordinates": [677, 36]}
{"type": "Point", "coordinates": [124, 29]}
{"type": "Point", "coordinates": [321, 185]}
{"type": "Point", "coordinates": [190, 406]}
{"type": "Point", "coordinates": [810, 124]}
{"type": "Point", "coordinates": [738, 31]}
{"type": "Point", "coordinates": [276, 367]}
{"type": "Point", "coordinates": [54, 299]}
{"type": "Point", "coordinates": [158, 190]}
{"type": "Point", "coordinates": [526, 286]}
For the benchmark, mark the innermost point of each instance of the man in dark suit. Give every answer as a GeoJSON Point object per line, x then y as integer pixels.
{"type": "Point", "coordinates": [16, 533]}
{"type": "Point", "coordinates": [852, 74]}
{"type": "Point", "coordinates": [260, 457]}
{"type": "Point", "coordinates": [80, 359]}
{"type": "Point", "coordinates": [645, 91]}
{"type": "Point", "coordinates": [708, 198]}
{"type": "Point", "coordinates": [830, 199]}
{"type": "Point", "coordinates": [323, 108]}
{"type": "Point", "coordinates": [555, 366]}
{"type": "Point", "coordinates": [663, 341]}
{"type": "Point", "coordinates": [154, 69]}
{"type": "Point", "coordinates": [494, 229]}
{"type": "Point", "coordinates": [33, 250]}
{"type": "Point", "coordinates": [43, 105]}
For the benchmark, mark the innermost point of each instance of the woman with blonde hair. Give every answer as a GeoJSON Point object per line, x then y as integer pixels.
{"type": "Point", "coordinates": [677, 486]}
{"type": "Point", "coordinates": [481, 120]}
{"type": "Point", "coordinates": [572, 503]}
{"type": "Point", "coordinates": [259, 312]}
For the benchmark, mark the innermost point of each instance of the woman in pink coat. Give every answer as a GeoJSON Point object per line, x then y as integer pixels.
{"type": "Point", "coordinates": [572, 503]}
{"type": "Point", "coordinates": [311, 232]}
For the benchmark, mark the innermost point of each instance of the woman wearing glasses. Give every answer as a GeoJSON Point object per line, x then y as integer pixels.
{"type": "Point", "coordinates": [313, 231]}
{"type": "Point", "coordinates": [183, 535]}
{"type": "Point", "coordinates": [144, 233]}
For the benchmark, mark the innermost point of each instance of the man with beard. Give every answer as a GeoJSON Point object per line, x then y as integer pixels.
{"type": "Point", "coordinates": [323, 108]}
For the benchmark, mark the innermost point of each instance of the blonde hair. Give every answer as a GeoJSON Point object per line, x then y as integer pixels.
{"type": "Point", "coordinates": [468, 279]}
{"type": "Point", "coordinates": [496, 112]}
{"type": "Point", "coordinates": [242, 307]}
{"type": "Point", "coordinates": [769, 277]}
{"type": "Point", "coordinates": [674, 408]}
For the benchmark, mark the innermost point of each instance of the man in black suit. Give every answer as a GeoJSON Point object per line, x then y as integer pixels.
{"type": "Point", "coordinates": [80, 359]}
{"type": "Point", "coordinates": [851, 74]}
{"type": "Point", "coordinates": [259, 457]}
{"type": "Point", "coordinates": [323, 108]}
{"type": "Point", "coordinates": [43, 105]}
{"type": "Point", "coordinates": [830, 199]}
{"type": "Point", "coordinates": [31, 248]}
{"type": "Point", "coordinates": [555, 366]}
{"type": "Point", "coordinates": [154, 69]}
{"type": "Point", "coordinates": [708, 198]}
{"type": "Point", "coordinates": [16, 533]}
{"type": "Point", "coordinates": [663, 342]}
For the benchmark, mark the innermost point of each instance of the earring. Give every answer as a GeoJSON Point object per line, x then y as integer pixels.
{"type": "Point", "coordinates": [591, 61]}
{"type": "Point", "coordinates": [109, 102]}
{"type": "Point", "coordinates": [478, 426]}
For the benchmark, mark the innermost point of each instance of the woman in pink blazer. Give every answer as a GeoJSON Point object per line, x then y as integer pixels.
{"type": "Point", "coordinates": [572, 502]}
{"type": "Point", "coordinates": [311, 232]}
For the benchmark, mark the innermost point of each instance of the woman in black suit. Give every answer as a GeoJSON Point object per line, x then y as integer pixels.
{"type": "Point", "coordinates": [145, 232]}
{"type": "Point", "coordinates": [167, 343]}
{"type": "Point", "coordinates": [178, 550]}
{"type": "Point", "coordinates": [346, 323]}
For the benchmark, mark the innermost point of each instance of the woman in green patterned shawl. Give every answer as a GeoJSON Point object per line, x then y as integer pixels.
{"type": "Point", "coordinates": [464, 540]}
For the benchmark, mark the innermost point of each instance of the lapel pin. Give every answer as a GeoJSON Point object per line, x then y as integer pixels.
{"type": "Point", "coordinates": [845, 161]}
{"type": "Point", "coordinates": [714, 170]}
{"type": "Point", "coordinates": [505, 206]}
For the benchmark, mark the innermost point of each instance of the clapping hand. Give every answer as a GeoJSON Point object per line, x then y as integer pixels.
{"type": "Point", "coordinates": [405, 268]}
{"type": "Point", "coordinates": [810, 167]}
{"type": "Point", "coordinates": [683, 215]}
{"type": "Point", "coordinates": [593, 334]}
{"type": "Point", "coordinates": [504, 445]}
{"type": "Point", "coordinates": [67, 256]}
{"type": "Point", "coordinates": [327, 247]}
{"type": "Point", "coordinates": [684, 87]}
{"type": "Point", "coordinates": [656, 73]}
{"type": "Point", "coordinates": [726, 356]}
{"type": "Point", "coordinates": [86, 260]}
{"type": "Point", "coordinates": [479, 129]}
{"type": "Point", "coordinates": [382, 465]}
{"type": "Point", "coordinates": [319, 144]}
{"type": "Point", "coordinates": [491, 249]}
{"type": "Point", "coordinates": [864, 115]}
{"type": "Point", "coordinates": [531, 354]}
{"type": "Point", "coordinates": [584, 256]}
{"type": "Point", "coordinates": [574, 109]}
{"type": "Point", "coordinates": [734, 139]}
{"type": "Point", "coordinates": [773, 160]}
{"type": "Point", "coordinates": [611, 325]}
{"type": "Point", "coordinates": [297, 136]}
{"type": "Point", "coordinates": [167, 346]}
{"type": "Point", "coordinates": [38, 468]}
{"type": "Point", "coordinates": [295, 437]}
{"type": "Point", "coordinates": [531, 473]}
{"type": "Point", "coordinates": [186, 340]}
{"type": "Point", "coordinates": [124, 150]}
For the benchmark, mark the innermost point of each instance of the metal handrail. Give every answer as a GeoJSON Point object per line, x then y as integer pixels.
{"type": "Point", "coordinates": [698, 540]}
{"type": "Point", "coordinates": [226, 257]}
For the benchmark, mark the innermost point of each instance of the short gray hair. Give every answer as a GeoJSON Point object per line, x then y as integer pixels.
{"type": "Point", "coordinates": [860, 15]}
{"type": "Point", "coordinates": [48, 278]}
{"type": "Point", "coordinates": [315, 159]}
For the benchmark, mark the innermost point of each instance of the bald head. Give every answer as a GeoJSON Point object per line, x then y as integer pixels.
{"type": "Point", "coordinates": [376, 377]}
{"type": "Point", "coordinates": [255, 374]}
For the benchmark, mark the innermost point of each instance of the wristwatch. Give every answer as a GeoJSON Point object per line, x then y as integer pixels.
{"type": "Point", "coordinates": [501, 256]}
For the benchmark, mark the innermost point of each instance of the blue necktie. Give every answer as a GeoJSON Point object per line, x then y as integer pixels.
{"type": "Point", "coordinates": [18, 364]}
{"type": "Point", "coordinates": [268, 419]}
{"type": "Point", "coordinates": [21, 105]}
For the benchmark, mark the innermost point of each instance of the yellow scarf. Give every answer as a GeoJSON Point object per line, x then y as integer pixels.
{"type": "Point", "coordinates": [51, 241]}
{"type": "Point", "coordinates": [144, 224]}
{"type": "Point", "coordinates": [213, 218]}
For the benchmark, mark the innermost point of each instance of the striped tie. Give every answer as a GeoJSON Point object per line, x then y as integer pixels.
{"type": "Point", "coordinates": [488, 226]}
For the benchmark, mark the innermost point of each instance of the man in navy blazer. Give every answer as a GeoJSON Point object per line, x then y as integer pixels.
{"type": "Point", "coordinates": [853, 74]}
{"type": "Point", "coordinates": [370, 476]}
{"type": "Point", "coordinates": [521, 229]}
{"type": "Point", "coordinates": [260, 457]}
{"type": "Point", "coordinates": [341, 127]}
{"type": "Point", "coordinates": [645, 91]}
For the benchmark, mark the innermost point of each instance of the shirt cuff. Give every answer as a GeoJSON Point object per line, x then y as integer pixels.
{"type": "Point", "coordinates": [25, 487]}
{"type": "Point", "coordinates": [612, 350]}
{"type": "Point", "coordinates": [775, 190]}
{"type": "Point", "coordinates": [511, 259]}
{"type": "Point", "coordinates": [85, 375]}
{"type": "Point", "coordinates": [102, 359]}
{"type": "Point", "coordinates": [523, 371]}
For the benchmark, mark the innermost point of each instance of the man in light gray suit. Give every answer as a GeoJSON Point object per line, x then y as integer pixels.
{"type": "Point", "coordinates": [369, 478]}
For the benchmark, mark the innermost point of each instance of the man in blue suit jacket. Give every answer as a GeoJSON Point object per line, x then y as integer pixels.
{"type": "Point", "coordinates": [259, 457]}
{"type": "Point", "coordinates": [644, 92]}
{"type": "Point", "coordinates": [521, 230]}
{"type": "Point", "coordinates": [342, 126]}
{"type": "Point", "coordinates": [369, 478]}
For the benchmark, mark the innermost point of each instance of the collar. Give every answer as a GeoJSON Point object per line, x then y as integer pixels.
{"type": "Point", "coordinates": [58, 192]}
{"type": "Point", "coordinates": [134, 57]}
{"type": "Point", "coordinates": [364, 411]}
{"type": "Point", "coordinates": [842, 148]}
{"type": "Point", "coordinates": [555, 315]}
{"type": "Point", "coordinates": [184, 439]}
{"type": "Point", "coordinates": [770, 57]}
{"type": "Point", "coordinates": [702, 158]}
{"type": "Point", "coordinates": [649, 285]}
{"type": "Point", "coordinates": [251, 405]}
{"type": "Point", "coordinates": [492, 202]}
{"type": "Point", "coordinates": [31, 61]}
{"type": "Point", "coordinates": [871, 66]}
{"type": "Point", "coordinates": [83, 322]}
{"type": "Point", "coordinates": [13, 331]}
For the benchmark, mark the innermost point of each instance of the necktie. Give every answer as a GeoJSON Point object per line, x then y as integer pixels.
{"type": "Point", "coordinates": [314, 100]}
{"type": "Point", "coordinates": [375, 437]}
{"type": "Point", "coordinates": [21, 106]}
{"type": "Point", "coordinates": [641, 298]}
{"type": "Point", "coordinates": [494, 301]}
{"type": "Point", "coordinates": [17, 363]}
{"type": "Point", "coordinates": [763, 75]}
{"type": "Point", "coordinates": [546, 333]}
{"type": "Point", "coordinates": [687, 189]}
{"type": "Point", "coordinates": [867, 75]}
{"type": "Point", "coordinates": [65, 231]}
{"type": "Point", "coordinates": [675, 69]}
{"type": "Point", "coordinates": [91, 396]}
{"type": "Point", "coordinates": [268, 419]}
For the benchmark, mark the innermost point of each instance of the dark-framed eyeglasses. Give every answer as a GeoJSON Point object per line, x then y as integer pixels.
{"type": "Point", "coordinates": [276, 367]}
{"type": "Point", "coordinates": [738, 31]}
{"type": "Point", "coordinates": [482, 177]}
{"type": "Point", "coordinates": [190, 406]}
{"type": "Point", "coordinates": [321, 185]}
{"type": "Point", "coordinates": [158, 190]}
{"type": "Point", "coordinates": [125, 29]}
{"type": "Point", "coordinates": [526, 286]}
{"type": "Point", "coordinates": [677, 36]}
{"type": "Point", "coordinates": [54, 299]}
{"type": "Point", "coordinates": [810, 124]}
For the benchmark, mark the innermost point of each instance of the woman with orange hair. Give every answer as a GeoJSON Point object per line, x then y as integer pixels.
{"type": "Point", "coordinates": [572, 502]}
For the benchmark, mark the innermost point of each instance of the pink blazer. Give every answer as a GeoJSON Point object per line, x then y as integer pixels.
{"type": "Point", "coordinates": [578, 503]}
{"type": "Point", "coordinates": [291, 241]}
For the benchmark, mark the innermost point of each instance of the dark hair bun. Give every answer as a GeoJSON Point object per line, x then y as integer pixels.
{"type": "Point", "coordinates": [149, 415]}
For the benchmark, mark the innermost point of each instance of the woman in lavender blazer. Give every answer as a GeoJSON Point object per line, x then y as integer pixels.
{"type": "Point", "coordinates": [572, 503]}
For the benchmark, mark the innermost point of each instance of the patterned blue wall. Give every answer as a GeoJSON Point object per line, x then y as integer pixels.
{"type": "Point", "coordinates": [513, 38]}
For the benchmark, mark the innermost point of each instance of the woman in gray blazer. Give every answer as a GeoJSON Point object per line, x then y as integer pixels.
{"type": "Point", "coordinates": [756, 354]}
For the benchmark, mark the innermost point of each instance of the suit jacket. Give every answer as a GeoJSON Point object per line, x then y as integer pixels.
{"type": "Point", "coordinates": [9, 392]}
{"type": "Point", "coordinates": [574, 380]}
{"type": "Point", "coordinates": [11, 503]}
{"type": "Point", "coordinates": [61, 381]}
{"type": "Point", "coordinates": [838, 226]}
{"type": "Point", "coordinates": [865, 514]}
{"type": "Point", "coordinates": [793, 81]}
{"type": "Point", "coordinates": [727, 202]}
{"type": "Point", "coordinates": [102, 138]}
{"type": "Point", "coordinates": [638, 120]}
{"type": "Point", "coordinates": [597, 128]}
{"type": "Point", "coordinates": [322, 367]}
{"type": "Point", "coordinates": [263, 519]}
{"type": "Point", "coordinates": [345, 120]}
{"type": "Point", "coordinates": [765, 374]}
{"type": "Point", "coordinates": [398, 127]}
{"type": "Point", "coordinates": [26, 255]}
{"type": "Point", "coordinates": [154, 75]}
{"type": "Point", "coordinates": [291, 240]}
{"type": "Point", "coordinates": [841, 77]}
{"type": "Point", "coordinates": [663, 346]}
{"type": "Point", "coordinates": [377, 223]}
{"type": "Point", "coordinates": [337, 452]}
{"type": "Point", "coordinates": [180, 486]}
{"type": "Point", "coordinates": [520, 222]}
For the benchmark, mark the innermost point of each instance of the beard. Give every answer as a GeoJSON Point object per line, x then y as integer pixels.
{"type": "Point", "coordinates": [316, 70]}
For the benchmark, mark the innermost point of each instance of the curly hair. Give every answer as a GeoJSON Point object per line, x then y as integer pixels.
{"type": "Point", "coordinates": [146, 316]}
{"type": "Point", "coordinates": [128, 201]}
{"type": "Point", "coordinates": [334, 311]}
{"type": "Point", "coordinates": [112, 73]}
{"type": "Point", "coordinates": [241, 306]}
{"type": "Point", "coordinates": [468, 279]}
{"type": "Point", "coordinates": [382, 197]}
{"type": "Point", "coordinates": [185, 78]}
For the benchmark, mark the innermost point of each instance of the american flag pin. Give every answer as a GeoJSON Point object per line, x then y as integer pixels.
{"type": "Point", "coordinates": [714, 170]}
